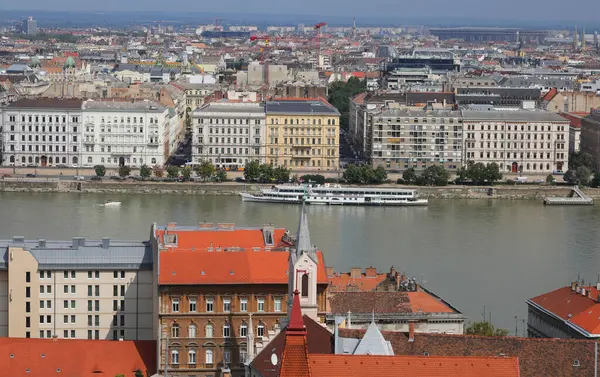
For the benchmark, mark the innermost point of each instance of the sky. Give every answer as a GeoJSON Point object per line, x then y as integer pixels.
{"type": "Point", "coordinates": [535, 11]}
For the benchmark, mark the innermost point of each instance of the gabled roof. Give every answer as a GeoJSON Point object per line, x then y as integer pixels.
{"type": "Point", "coordinates": [75, 358]}
{"type": "Point", "coordinates": [387, 302]}
{"type": "Point", "coordinates": [373, 343]}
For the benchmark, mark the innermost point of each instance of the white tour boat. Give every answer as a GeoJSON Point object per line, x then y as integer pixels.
{"type": "Point", "coordinates": [112, 204]}
{"type": "Point", "coordinates": [336, 195]}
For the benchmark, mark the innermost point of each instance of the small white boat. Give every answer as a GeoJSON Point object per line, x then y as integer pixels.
{"type": "Point", "coordinates": [112, 204]}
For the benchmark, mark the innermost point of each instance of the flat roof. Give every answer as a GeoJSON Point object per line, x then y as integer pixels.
{"type": "Point", "coordinates": [144, 105]}
{"type": "Point", "coordinates": [308, 107]}
{"type": "Point", "coordinates": [510, 115]}
{"type": "Point", "coordinates": [47, 103]}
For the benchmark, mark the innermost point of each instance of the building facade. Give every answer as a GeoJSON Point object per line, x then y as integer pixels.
{"type": "Point", "coordinates": [302, 134]}
{"type": "Point", "coordinates": [518, 141]}
{"type": "Point", "coordinates": [83, 289]}
{"type": "Point", "coordinates": [228, 134]}
{"type": "Point", "coordinates": [590, 138]}
{"type": "Point", "coordinates": [118, 133]}
{"type": "Point", "coordinates": [42, 132]}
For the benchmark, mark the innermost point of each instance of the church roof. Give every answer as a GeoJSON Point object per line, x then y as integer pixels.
{"type": "Point", "coordinates": [303, 244]}
{"type": "Point", "coordinates": [373, 343]}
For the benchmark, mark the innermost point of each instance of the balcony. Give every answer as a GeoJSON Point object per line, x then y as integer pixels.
{"type": "Point", "coordinates": [300, 157]}
{"type": "Point", "coordinates": [301, 146]}
{"type": "Point", "coordinates": [89, 141]}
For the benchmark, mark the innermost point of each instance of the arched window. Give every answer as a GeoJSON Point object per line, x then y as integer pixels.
{"type": "Point", "coordinates": [102, 160]}
{"type": "Point", "coordinates": [154, 160]}
{"type": "Point", "coordinates": [23, 159]}
{"type": "Point", "coordinates": [175, 331]}
{"type": "Point", "coordinates": [260, 329]}
{"type": "Point", "coordinates": [37, 160]}
{"type": "Point", "coordinates": [305, 285]}
{"type": "Point", "coordinates": [90, 160]}
{"type": "Point", "coordinates": [208, 359]}
{"type": "Point", "coordinates": [30, 160]}
{"type": "Point", "coordinates": [141, 160]}
{"type": "Point", "coordinates": [192, 331]}
{"type": "Point", "coordinates": [226, 330]}
{"type": "Point", "coordinates": [209, 330]}
{"type": "Point", "coordinates": [12, 158]}
{"type": "Point", "coordinates": [174, 357]}
{"type": "Point", "coordinates": [75, 160]}
{"type": "Point", "coordinates": [64, 160]}
{"type": "Point", "coordinates": [243, 330]}
{"type": "Point", "coordinates": [191, 353]}
{"type": "Point", "coordinates": [50, 160]}
{"type": "Point", "coordinates": [547, 166]}
{"type": "Point", "coordinates": [135, 160]}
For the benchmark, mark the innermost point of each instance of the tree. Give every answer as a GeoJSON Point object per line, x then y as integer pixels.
{"type": "Point", "coordinates": [583, 174]}
{"type": "Point", "coordinates": [158, 171]}
{"type": "Point", "coordinates": [221, 175]}
{"type": "Point", "coordinates": [550, 179]}
{"type": "Point", "coordinates": [380, 175]}
{"type": "Point", "coordinates": [281, 174]}
{"type": "Point", "coordinates": [100, 170]}
{"type": "Point", "coordinates": [353, 174]}
{"type": "Point", "coordinates": [252, 170]}
{"type": "Point", "coordinates": [493, 172]}
{"type": "Point", "coordinates": [124, 171]}
{"type": "Point", "coordinates": [313, 178]}
{"type": "Point", "coordinates": [172, 171]}
{"type": "Point", "coordinates": [435, 175]}
{"type": "Point", "coordinates": [205, 170]}
{"type": "Point", "coordinates": [596, 181]}
{"type": "Point", "coordinates": [578, 159]}
{"type": "Point", "coordinates": [461, 174]}
{"type": "Point", "coordinates": [570, 177]}
{"type": "Point", "coordinates": [145, 171]}
{"type": "Point", "coordinates": [477, 173]}
{"type": "Point", "coordinates": [339, 96]}
{"type": "Point", "coordinates": [485, 329]}
{"type": "Point", "coordinates": [267, 173]}
{"type": "Point", "coordinates": [409, 176]}
{"type": "Point", "coordinates": [186, 172]}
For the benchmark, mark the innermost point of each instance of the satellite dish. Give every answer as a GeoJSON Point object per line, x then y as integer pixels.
{"type": "Point", "coordinates": [274, 359]}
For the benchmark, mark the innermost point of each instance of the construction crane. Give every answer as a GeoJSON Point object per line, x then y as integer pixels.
{"type": "Point", "coordinates": [262, 50]}
{"type": "Point", "coordinates": [318, 39]}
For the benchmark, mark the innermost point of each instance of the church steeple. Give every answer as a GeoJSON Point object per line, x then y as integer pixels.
{"type": "Point", "coordinates": [303, 244]}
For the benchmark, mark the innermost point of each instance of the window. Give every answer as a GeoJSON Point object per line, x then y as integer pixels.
{"type": "Point", "coordinates": [305, 285]}
{"type": "Point", "coordinates": [260, 305]}
{"type": "Point", "coordinates": [243, 355]}
{"type": "Point", "coordinates": [226, 330]}
{"type": "Point", "coordinates": [27, 277]}
{"type": "Point", "coordinates": [122, 320]}
{"type": "Point", "coordinates": [174, 357]}
{"type": "Point", "coordinates": [208, 358]}
{"type": "Point", "coordinates": [122, 290]}
{"type": "Point", "coordinates": [227, 357]}
{"type": "Point", "coordinates": [115, 290]}
{"type": "Point", "coordinates": [90, 289]}
{"type": "Point", "coordinates": [65, 288]}
{"type": "Point", "coordinates": [192, 305]}
{"type": "Point", "coordinates": [192, 357]}
{"type": "Point", "coordinates": [73, 289]}
{"type": "Point", "coordinates": [209, 304]}
{"type": "Point", "coordinates": [243, 330]}
{"type": "Point", "coordinates": [66, 304]}
{"type": "Point", "coordinates": [260, 329]}
{"type": "Point", "coordinates": [28, 292]}
{"type": "Point", "coordinates": [97, 274]}
{"type": "Point", "coordinates": [226, 305]}
{"type": "Point", "coordinates": [175, 331]}
{"type": "Point", "coordinates": [72, 304]}
{"type": "Point", "coordinates": [192, 331]}
{"type": "Point", "coordinates": [243, 304]}
{"type": "Point", "coordinates": [65, 319]}
{"type": "Point", "coordinates": [277, 304]}
{"type": "Point", "coordinates": [175, 305]}
{"type": "Point", "coordinates": [209, 330]}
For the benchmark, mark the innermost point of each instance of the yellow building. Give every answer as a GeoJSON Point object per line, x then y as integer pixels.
{"type": "Point", "coordinates": [302, 134]}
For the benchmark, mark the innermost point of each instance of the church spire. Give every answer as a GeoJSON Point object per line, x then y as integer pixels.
{"type": "Point", "coordinates": [303, 244]}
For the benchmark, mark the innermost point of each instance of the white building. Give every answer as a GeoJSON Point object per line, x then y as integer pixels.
{"type": "Point", "coordinates": [42, 132]}
{"type": "Point", "coordinates": [519, 141]}
{"type": "Point", "coordinates": [229, 134]}
{"type": "Point", "coordinates": [117, 133]}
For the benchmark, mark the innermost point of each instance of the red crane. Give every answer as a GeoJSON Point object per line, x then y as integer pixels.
{"type": "Point", "coordinates": [318, 39]}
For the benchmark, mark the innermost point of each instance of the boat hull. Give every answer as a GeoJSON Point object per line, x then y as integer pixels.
{"type": "Point", "coordinates": [246, 197]}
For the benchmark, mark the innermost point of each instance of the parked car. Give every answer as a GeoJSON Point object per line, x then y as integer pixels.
{"type": "Point", "coordinates": [79, 178]}
{"type": "Point", "coordinates": [30, 175]}
{"type": "Point", "coordinates": [96, 178]}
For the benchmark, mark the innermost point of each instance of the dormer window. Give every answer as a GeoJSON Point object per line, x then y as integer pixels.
{"type": "Point", "coordinates": [170, 239]}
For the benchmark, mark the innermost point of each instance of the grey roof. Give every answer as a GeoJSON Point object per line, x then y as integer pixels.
{"type": "Point", "coordinates": [303, 244]}
{"type": "Point", "coordinates": [144, 105]}
{"type": "Point", "coordinates": [509, 115]}
{"type": "Point", "coordinates": [373, 343]}
{"type": "Point", "coordinates": [224, 107]}
{"type": "Point", "coordinates": [84, 254]}
{"type": "Point", "coordinates": [309, 107]}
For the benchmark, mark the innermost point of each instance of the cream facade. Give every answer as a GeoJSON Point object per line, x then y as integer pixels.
{"type": "Point", "coordinates": [81, 289]}
{"type": "Point", "coordinates": [519, 141]}
{"type": "Point", "coordinates": [228, 134]}
{"type": "Point", "coordinates": [302, 134]}
{"type": "Point", "coordinates": [117, 133]}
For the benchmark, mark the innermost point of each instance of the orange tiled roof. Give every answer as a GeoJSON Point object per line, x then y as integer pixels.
{"type": "Point", "coordinates": [551, 94]}
{"type": "Point", "coordinates": [423, 302]}
{"type": "Point", "coordinates": [200, 239]}
{"type": "Point", "coordinates": [224, 267]}
{"type": "Point", "coordinates": [74, 357]}
{"type": "Point", "coordinates": [412, 366]}
{"type": "Point", "coordinates": [340, 282]}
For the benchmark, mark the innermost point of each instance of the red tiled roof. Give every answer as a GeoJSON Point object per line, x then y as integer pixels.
{"type": "Point", "coordinates": [573, 307]}
{"type": "Point", "coordinates": [412, 366]}
{"type": "Point", "coordinates": [341, 282]}
{"type": "Point", "coordinates": [574, 118]}
{"type": "Point", "coordinates": [387, 302]}
{"type": "Point", "coordinates": [201, 239]}
{"type": "Point", "coordinates": [75, 358]}
{"type": "Point", "coordinates": [551, 94]}
{"type": "Point", "coordinates": [228, 267]}
{"type": "Point", "coordinates": [294, 361]}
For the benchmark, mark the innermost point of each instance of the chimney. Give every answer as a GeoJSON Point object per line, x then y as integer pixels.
{"type": "Point", "coordinates": [411, 331]}
{"type": "Point", "coordinates": [171, 225]}
{"type": "Point", "coordinates": [355, 272]}
{"type": "Point", "coordinates": [75, 243]}
{"type": "Point", "coordinates": [573, 286]}
{"type": "Point", "coordinates": [589, 293]}
{"type": "Point", "coordinates": [598, 285]}
{"type": "Point", "coordinates": [583, 291]}
{"type": "Point", "coordinates": [105, 243]}
{"type": "Point", "coordinates": [41, 243]}
{"type": "Point", "coordinates": [392, 272]}
{"type": "Point", "coordinates": [330, 271]}
{"type": "Point", "coordinates": [371, 272]}
{"type": "Point", "coordinates": [349, 320]}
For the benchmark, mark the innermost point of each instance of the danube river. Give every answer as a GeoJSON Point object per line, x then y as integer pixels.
{"type": "Point", "coordinates": [473, 253]}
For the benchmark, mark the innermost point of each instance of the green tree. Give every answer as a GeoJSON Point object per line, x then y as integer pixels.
{"type": "Point", "coordinates": [477, 173]}
{"type": "Point", "coordinates": [186, 172]}
{"type": "Point", "coordinates": [596, 181]}
{"type": "Point", "coordinates": [353, 174]}
{"type": "Point", "coordinates": [570, 177]}
{"type": "Point", "coordinates": [267, 173]}
{"type": "Point", "coordinates": [578, 159]}
{"type": "Point", "coordinates": [409, 176]}
{"type": "Point", "coordinates": [485, 329]}
{"type": "Point", "coordinates": [158, 171]}
{"type": "Point", "coordinates": [252, 170]}
{"type": "Point", "coordinates": [583, 174]}
{"type": "Point", "coordinates": [124, 171]}
{"type": "Point", "coordinates": [461, 174]}
{"type": "Point", "coordinates": [221, 175]}
{"type": "Point", "coordinates": [550, 179]}
{"type": "Point", "coordinates": [100, 170]}
{"type": "Point", "coordinates": [205, 170]}
{"type": "Point", "coordinates": [313, 178]}
{"type": "Point", "coordinates": [339, 96]}
{"type": "Point", "coordinates": [435, 175]}
{"type": "Point", "coordinates": [145, 171]}
{"type": "Point", "coordinates": [172, 172]}
{"type": "Point", "coordinates": [380, 175]}
{"type": "Point", "coordinates": [493, 172]}
{"type": "Point", "coordinates": [281, 174]}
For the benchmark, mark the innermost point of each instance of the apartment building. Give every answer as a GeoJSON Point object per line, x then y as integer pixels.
{"type": "Point", "coordinates": [133, 133]}
{"type": "Point", "coordinates": [417, 138]}
{"type": "Point", "coordinates": [42, 132]}
{"type": "Point", "coordinates": [302, 134]}
{"type": "Point", "coordinates": [519, 141]}
{"type": "Point", "coordinates": [82, 289]}
{"type": "Point", "coordinates": [224, 292]}
{"type": "Point", "coordinates": [228, 134]}
{"type": "Point", "coordinates": [590, 138]}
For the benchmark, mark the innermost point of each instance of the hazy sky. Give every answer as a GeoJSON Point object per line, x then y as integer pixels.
{"type": "Point", "coordinates": [517, 10]}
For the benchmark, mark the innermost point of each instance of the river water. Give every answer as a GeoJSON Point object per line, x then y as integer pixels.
{"type": "Point", "coordinates": [473, 253]}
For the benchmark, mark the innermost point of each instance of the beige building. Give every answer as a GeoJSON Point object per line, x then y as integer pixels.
{"type": "Point", "coordinates": [302, 134]}
{"type": "Point", "coordinates": [81, 289]}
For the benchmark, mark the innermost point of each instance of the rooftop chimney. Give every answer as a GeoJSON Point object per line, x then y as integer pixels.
{"type": "Point", "coordinates": [75, 243]}
{"type": "Point", "coordinates": [355, 272]}
{"type": "Point", "coordinates": [573, 286]}
{"type": "Point", "coordinates": [330, 271]}
{"type": "Point", "coordinates": [171, 225]}
{"type": "Point", "coordinates": [42, 243]}
{"type": "Point", "coordinates": [371, 272]}
{"type": "Point", "coordinates": [582, 291]}
{"type": "Point", "coordinates": [18, 239]}
{"type": "Point", "coordinates": [411, 331]}
{"type": "Point", "coordinates": [105, 243]}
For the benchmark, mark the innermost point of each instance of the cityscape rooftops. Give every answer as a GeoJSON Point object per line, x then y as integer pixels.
{"type": "Point", "coordinates": [418, 302]}
{"type": "Point", "coordinates": [47, 103]}
{"type": "Point", "coordinates": [300, 106]}
{"type": "Point", "coordinates": [512, 116]}
{"type": "Point", "coordinates": [122, 105]}
{"type": "Point", "coordinates": [225, 106]}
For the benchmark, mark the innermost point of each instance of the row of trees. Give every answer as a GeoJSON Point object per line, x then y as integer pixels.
{"type": "Point", "coordinates": [364, 175]}
{"type": "Point", "coordinates": [435, 175]}
{"type": "Point", "coordinates": [206, 171]}
{"type": "Point", "coordinates": [581, 166]}
{"type": "Point", "coordinates": [265, 173]}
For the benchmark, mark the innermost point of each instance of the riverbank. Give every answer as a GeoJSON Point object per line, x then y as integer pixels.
{"type": "Point", "coordinates": [524, 192]}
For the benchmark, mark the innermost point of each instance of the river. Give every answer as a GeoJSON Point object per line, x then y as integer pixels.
{"type": "Point", "coordinates": [473, 253]}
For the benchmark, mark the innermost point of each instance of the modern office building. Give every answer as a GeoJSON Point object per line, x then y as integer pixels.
{"type": "Point", "coordinates": [480, 34]}
{"type": "Point", "coordinates": [439, 61]}
{"type": "Point", "coordinates": [83, 289]}
{"type": "Point", "coordinates": [302, 134]}
{"type": "Point", "coordinates": [497, 95]}
{"type": "Point", "coordinates": [228, 134]}
{"type": "Point", "coordinates": [519, 141]}
{"type": "Point", "coordinates": [29, 26]}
